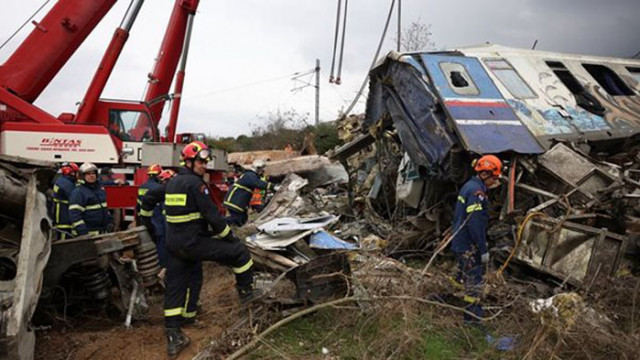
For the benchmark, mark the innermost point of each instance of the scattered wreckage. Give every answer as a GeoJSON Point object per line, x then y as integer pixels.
{"type": "Point", "coordinates": [565, 125]}
{"type": "Point", "coordinates": [111, 271]}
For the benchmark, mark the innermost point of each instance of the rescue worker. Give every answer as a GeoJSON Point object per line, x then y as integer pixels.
{"type": "Point", "coordinates": [62, 189]}
{"type": "Point", "coordinates": [239, 196]}
{"type": "Point", "coordinates": [88, 204]}
{"type": "Point", "coordinates": [156, 224]}
{"type": "Point", "coordinates": [190, 212]}
{"type": "Point", "coordinates": [149, 205]}
{"type": "Point", "coordinates": [470, 228]}
{"type": "Point", "coordinates": [105, 178]}
{"type": "Point", "coordinates": [258, 198]}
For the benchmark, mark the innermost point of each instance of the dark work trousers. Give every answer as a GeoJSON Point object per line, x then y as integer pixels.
{"type": "Point", "coordinates": [236, 218]}
{"type": "Point", "coordinates": [185, 263]}
{"type": "Point", "coordinates": [193, 292]}
{"type": "Point", "coordinates": [470, 273]}
{"type": "Point", "coordinates": [162, 250]}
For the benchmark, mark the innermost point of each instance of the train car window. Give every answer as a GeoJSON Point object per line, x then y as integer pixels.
{"type": "Point", "coordinates": [510, 78]}
{"type": "Point", "coordinates": [635, 72]}
{"type": "Point", "coordinates": [608, 79]}
{"type": "Point", "coordinates": [459, 79]}
{"type": "Point", "coordinates": [584, 99]}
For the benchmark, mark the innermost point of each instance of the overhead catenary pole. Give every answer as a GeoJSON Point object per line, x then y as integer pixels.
{"type": "Point", "coordinates": [317, 91]}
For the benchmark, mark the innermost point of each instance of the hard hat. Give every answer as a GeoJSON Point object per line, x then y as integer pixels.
{"type": "Point", "coordinates": [166, 175]}
{"type": "Point", "coordinates": [489, 163]}
{"type": "Point", "coordinates": [68, 168]}
{"type": "Point", "coordinates": [88, 167]}
{"type": "Point", "coordinates": [258, 164]}
{"type": "Point", "coordinates": [196, 150]}
{"type": "Point", "coordinates": [154, 169]}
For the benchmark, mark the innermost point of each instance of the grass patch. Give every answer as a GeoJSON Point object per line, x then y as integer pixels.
{"type": "Point", "coordinates": [394, 332]}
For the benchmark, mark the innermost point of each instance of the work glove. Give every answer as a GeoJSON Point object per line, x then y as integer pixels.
{"type": "Point", "coordinates": [485, 258]}
{"type": "Point", "coordinates": [276, 188]}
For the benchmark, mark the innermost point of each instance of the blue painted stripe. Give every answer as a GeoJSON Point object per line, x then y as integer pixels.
{"type": "Point", "coordinates": [491, 139]}
{"type": "Point", "coordinates": [484, 112]}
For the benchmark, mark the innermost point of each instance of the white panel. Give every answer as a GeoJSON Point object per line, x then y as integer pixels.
{"type": "Point", "coordinates": [58, 147]}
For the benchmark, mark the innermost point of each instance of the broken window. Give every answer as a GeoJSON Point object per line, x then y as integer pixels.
{"type": "Point", "coordinates": [635, 72]}
{"type": "Point", "coordinates": [510, 78]}
{"type": "Point", "coordinates": [583, 98]}
{"type": "Point", "coordinates": [458, 77]}
{"type": "Point", "coordinates": [608, 79]}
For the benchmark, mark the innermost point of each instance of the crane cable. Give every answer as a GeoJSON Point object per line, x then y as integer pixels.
{"type": "Point", "coordinates": [335, 41]}
{"type": "Point", "coordinates": [344, 30]}
{"type": "Point", "coordinates": [24, 24]}
{"type": "Point", "coordinates": [375, 58]}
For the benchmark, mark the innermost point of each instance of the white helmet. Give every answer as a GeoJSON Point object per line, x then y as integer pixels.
{"type": "Point", "coordinates": [88, 167]}
{"type": "Point", "coordinates": [258, 165]}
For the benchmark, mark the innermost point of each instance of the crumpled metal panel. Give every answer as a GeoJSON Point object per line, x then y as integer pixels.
{"type": "Point", "coordinates": [35, 247]}
{"type": "Point", "coordinates": [290, 225]}
{"type": "Point", "coordinates": [571, 251]}
{"type": "Point", "coordinates": [400, 89]}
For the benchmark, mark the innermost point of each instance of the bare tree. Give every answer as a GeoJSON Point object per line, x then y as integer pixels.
{"type": "Point", "coordinates": [417, 37]}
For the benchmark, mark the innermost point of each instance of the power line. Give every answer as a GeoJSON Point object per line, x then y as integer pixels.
{"type": "Point", "coordinates": [344, 31]}
{"type": "Point", "coordinates": [335, 41]}
{"type": "Point", "coordinates": [375, 58]}
{"type": "Point", "coordinates": [259, 82]}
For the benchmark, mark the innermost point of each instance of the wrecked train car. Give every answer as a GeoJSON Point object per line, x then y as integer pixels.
{"type": "Point", "coordinates": [566, 125]}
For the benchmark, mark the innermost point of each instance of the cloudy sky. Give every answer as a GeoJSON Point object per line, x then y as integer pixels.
{"type": "Point", "coordinates": [244, 51]}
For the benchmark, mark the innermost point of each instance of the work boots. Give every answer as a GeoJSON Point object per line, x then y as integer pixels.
{"type": "Point", "coordinates": [248, 294]}
{"type": "Point", "coordinates": [176, 342]}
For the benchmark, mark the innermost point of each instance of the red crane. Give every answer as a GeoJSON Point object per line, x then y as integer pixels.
{"type": "Point", "coordinates": [102, 131]}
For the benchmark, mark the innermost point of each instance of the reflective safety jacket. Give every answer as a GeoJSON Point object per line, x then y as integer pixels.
{"type": "Point", "coordinates": [239, 196]}
{"type": "Point", "coordinates": [88, 209]}
{"type": "Point", "coordinates": [152, 206]}
{"type": "Point", "coordinates": [190, 211]}
{"type": "Point", "coordinates": [62, 190]}
{"type": "Point", "coordinates": [471, 216]}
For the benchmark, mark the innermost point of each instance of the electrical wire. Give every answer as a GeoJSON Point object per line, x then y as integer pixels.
{"type": "Point", "coordinates": [521, 227]}
{"type": "Point", "coordinates": [344, 31]}
{"type": "Point", "coordinates": [259, 82]}
{"type": "Point", "coordinates": [25, 24]}
{"type": "Point", "coordinates": [335, 41]}
{"type": "Point", "coordinates": [375, 58]}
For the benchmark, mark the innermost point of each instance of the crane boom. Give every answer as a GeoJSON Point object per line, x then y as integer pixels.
{"type": "Point", "coordinates": [52, 42]}
{"type": "Point", "coordinates": [108, 62]}
{"type": "Point", "coordinates": [161, 77]}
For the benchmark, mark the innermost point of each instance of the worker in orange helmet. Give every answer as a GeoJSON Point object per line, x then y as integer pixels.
{"type": "Point", "coordinates": [470, 221]}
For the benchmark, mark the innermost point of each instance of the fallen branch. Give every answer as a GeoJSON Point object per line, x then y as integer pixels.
{"type": "Point", "coordinates": [243, 350]}
{"type": "Point", "coordinates": [445, 244]}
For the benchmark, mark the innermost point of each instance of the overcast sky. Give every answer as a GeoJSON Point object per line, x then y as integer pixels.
{"type": "Point", "coordinates": [237, 43]}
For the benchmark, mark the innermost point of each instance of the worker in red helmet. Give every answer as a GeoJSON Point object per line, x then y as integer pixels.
{"type": "Point", "coordinates": [62, 189]}
{"type": "Point", "coordinates": [470, 221]}
{"type": "Point", "coordinates": [190, 213]}
{"type": "Point", "coordinates": [156, 218]}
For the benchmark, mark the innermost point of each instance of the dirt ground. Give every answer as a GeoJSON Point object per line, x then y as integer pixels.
{"type": "Point", "coordinates": [102, 338]}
